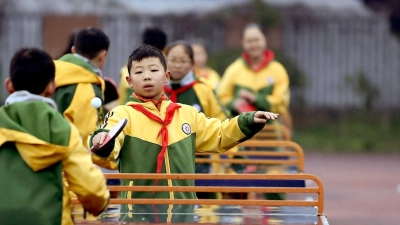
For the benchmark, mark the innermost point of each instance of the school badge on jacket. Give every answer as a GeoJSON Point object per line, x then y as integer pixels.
{"type": "Point", "coordinates": [186, 128]}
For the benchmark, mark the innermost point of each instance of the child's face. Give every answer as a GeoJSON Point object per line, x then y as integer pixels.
{"type": "Point", "coordinates": [200, 55]}
{"type": "Point", "coordinates": [148, 77]}
{"type": "Point", "coordinates": [254, 42]}
{"type": "Point", "coordinates": [178, 62]}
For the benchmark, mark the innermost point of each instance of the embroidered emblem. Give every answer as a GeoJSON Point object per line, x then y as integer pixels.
{"type": "Point", "coordinates": [186, 128]}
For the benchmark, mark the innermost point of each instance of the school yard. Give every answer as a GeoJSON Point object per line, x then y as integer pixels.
{"type": "Point", "coordinates": [360, 189]}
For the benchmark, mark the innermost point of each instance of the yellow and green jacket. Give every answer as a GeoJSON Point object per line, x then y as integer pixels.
{"type": "Point", "coordinates": [38, 146]}
{"type": "Point", "coordinates": [124, 90]}
{"type": "Point", "coordinates": [197, 92]}
{"type": "Point", "coordinates": [137, 147]}
{"type": "Point", "coordinates": [209, 74]}
{"type": "Point", "coordinates": [77, 84]}
{"type": "Point", "coordinates": [270, 84]}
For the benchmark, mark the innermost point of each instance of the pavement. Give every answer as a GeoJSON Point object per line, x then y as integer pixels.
{"type": "Point", "coordinates": [360, 189]}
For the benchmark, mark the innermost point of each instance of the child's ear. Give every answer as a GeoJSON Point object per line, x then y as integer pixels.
{"type": "Point", "coordinates": [9, 86]}
{"type": "Point", "coordinates": [129, 80]}
{"type": "Point", "coordinates": [73, 49]}
{"type": "Point", "coordinates": [101, 58]}
{"type": "Point", "coordinates": [167, 77]}
{"type": "Point", "coordinates": [50, 89]}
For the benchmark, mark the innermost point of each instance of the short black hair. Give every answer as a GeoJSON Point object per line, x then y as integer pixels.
{"type": "Point", "coordinates": [188, 48]}
{"type": "Point", "coordinates": [144, 52]}
{"type": "Point", "coordinates": [154, 36]}
{"type": "Point", "coordinates": [90, 41]}
{"type": "Point", "coordinates": [31, 69]}
{"type": "Point", "coordinates": [71, 42]}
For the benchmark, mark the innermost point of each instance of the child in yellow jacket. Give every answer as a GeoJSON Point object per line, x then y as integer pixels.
{"type": "Point", "coordinates": [200, 62]}
{"type": "Point", "coordinates": [255, 80]}
{"type": "Point", "coordinates": [37, 145]}
{"type": "Point", "coordinates": [79, 80]}
{"type": "Point", "coordinates": [162, 136]}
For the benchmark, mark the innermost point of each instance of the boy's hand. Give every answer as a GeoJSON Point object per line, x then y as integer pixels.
{"type": "Point", "coordinates": [98, 139]}
{"type": "Point", "coordinates": [238, 104]}
{"type": "Point", "coordinates": [263, 117]}
{"type": "Point", "coordinates": [247, 95]}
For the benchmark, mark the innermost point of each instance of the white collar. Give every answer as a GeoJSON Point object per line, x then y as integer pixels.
{"type": "Point", "coordinates": [186, 80]}
{"type": "Point", "coordinates": [95, 68]}
{"type": "Point", "coordinates": [25, 96]}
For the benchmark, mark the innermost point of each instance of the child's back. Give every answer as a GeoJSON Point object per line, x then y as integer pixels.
{"type": "Point", "coordinates": [38, 146]}
{"type": "Point", "coordinates": [79, 80]}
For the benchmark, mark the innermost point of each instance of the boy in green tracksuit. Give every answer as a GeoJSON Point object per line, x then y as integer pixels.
{"type": "Point", "coordinates": [79, 80]}
{"type": "Point", "coordinates": [37, 145]}
{"type": "Point", "coordinates": [182, 132]}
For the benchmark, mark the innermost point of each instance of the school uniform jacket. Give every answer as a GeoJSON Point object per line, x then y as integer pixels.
{"type": "Point", "coordinates": [199, 94]}
{"type": "Point", "coordinates": [77, 84]}
{"type": "Point", "coordinates": [209, 74]}
{"type": "Point", "coordinates": [269, 82]}
{"type": "Point", "coordinates": [137, 147]}
{"type": "Point", "coordinates": [36, 146]}
{"type": "Point", "coordinates": [124, 90]}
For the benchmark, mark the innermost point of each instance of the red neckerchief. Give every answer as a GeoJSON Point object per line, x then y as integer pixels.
{"type": "Point", "coordinates": [173, 94]}
{"type": "Point", "coordinates": [268, 57]}
{"type": "Point", "coordinates": [169, 115]}
{"type": "Point", "coordinates": [157, 103]}
{"type": "Point", "coordinates": [163, 131]}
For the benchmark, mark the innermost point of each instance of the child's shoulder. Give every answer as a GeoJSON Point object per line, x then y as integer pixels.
{"type": "Point", "coordinates": [275, 65]}
{"type": "Point", "coordinates": [121, 109]}
{"type": "Point", "coordinates": [235, 67]}
{"type": "Point", "coordinates": [47, 123]}
{"type": "Point", "coordinates": [204, 83]}
{"type": "Point", "coordinates": [188, 109]}
{"type": "Point", "coordinates": [238, 63]}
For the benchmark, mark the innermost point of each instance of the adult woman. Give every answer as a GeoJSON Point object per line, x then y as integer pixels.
{"type": "Point", "coordinates": [255, 81]}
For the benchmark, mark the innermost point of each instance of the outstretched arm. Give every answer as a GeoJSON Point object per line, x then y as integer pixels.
{"type": "Point", "coordinates": [84, 178]}
{"type": "Point", "coordinates": [213, 135]}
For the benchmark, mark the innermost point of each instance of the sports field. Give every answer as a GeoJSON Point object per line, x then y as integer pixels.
{"type": "Point", "coordinates": [360, 189]}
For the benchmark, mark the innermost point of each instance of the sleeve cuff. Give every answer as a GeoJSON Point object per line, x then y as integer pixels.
{"type": "Point", "coordinates": [247, 125]}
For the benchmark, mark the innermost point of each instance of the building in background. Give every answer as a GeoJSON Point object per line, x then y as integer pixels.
{"type": "Point", "coordinates": [336, 43]}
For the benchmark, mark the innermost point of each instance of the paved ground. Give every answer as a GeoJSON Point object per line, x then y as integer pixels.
{"type": "Point", "coordinates": [359, 189]}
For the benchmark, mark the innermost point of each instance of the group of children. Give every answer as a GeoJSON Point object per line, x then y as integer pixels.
{"type": "Point", "coordinates": [47, 125]}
